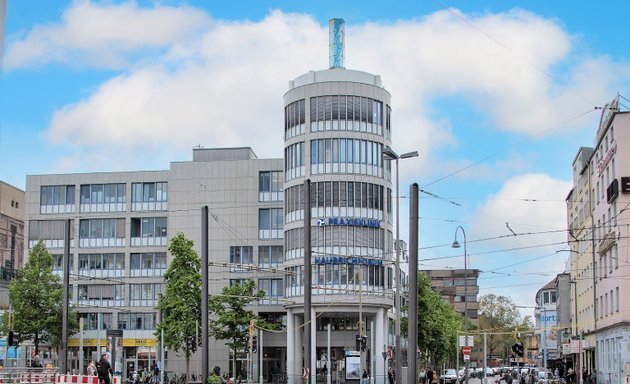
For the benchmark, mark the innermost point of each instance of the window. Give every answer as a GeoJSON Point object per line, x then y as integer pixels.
{"type": "Point", "coordinates": [147, 264]}
{"type": "Point", "coordinates": [270, 186]}
{"type": "Point", "coordinates": [270, 223]}
{"type": "Point", "coordinates": [57, 199]}
{"type": "Point", "coordinates": [137, 321]}
{"type": "Point", "coordinates": [294, 160]}
{"type": "Point", "coordinates": [274, 290]}
{"type": "Point", "coordinates": [271, 256]}
{"type": "Point", "coordinates": [294, 119]}
{"type": "Point", "coordinates": [346, 156]}
{"type": "Point", "coordinates": [617, 299]}
{"type": "Point", "coordinates": [102, 295]}
{"type": "Point", "coordinates": [102, 198]}
{"type": "Point", "coordinates": [102, 233]}
{"type": "Point", "coordinates": [145, 295]}
{"type": "Point", "coordinates": [148, 231]}
{"type": "Point", "coordinates": [152, 196]}
{"type": "Point", "coordinates": [240, 256]}
{"type": "Point", "coordinates": [102, 265]}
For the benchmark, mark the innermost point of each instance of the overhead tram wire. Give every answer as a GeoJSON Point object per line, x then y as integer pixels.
{"type": "Point", "coordinates": [507, 48]}
{"type": "Point", "coordinates": [531, 138]}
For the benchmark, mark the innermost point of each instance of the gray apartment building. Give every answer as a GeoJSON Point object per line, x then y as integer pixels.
{"type": "Point", "coordinates": [121, 223]}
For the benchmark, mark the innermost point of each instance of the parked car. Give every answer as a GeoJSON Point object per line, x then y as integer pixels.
{"type": "Point", "coordinates": [448, 376]}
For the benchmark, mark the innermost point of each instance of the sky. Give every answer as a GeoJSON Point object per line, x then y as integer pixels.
{"type": "Point", "coordinates": [496, 96]}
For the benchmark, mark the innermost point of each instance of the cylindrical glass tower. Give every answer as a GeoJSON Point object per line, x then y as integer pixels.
{"type": "Point", "coordinates": [337, 123]}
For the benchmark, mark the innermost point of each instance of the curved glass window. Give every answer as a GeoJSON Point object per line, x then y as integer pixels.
{"type": "Point", "coordinates": [339, 198]}
{"type": "Point", "coordinates": [294, 119]}
{"type": "Point", "coordinates": [346, 113]}
{"type": "Point", "coordinates": [294, 161]}
{"type": "Point", "coordinates": [340, 279]}
{"type": "Point", "coordinates": [346, 156]}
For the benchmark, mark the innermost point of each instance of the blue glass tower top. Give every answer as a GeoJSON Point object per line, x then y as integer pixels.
{"type": "Point", "coordinates": [336, 41]}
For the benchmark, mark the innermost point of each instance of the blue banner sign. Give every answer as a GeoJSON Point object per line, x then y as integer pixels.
{"type": "Point", "coordinates": [319, 260]}
{"type": "Point", "coordinates": [352, 221]}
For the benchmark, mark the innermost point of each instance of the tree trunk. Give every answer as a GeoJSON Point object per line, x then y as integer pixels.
{"type": "Point", "coordinates": [187, 368]}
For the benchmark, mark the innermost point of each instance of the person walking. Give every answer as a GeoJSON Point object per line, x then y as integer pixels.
{"type": "Point", "coordinates": [91, 369]}
{"type": "Point", "coordinates": [364, 377]}
{"type": "Point", "coordinates": [104, 369]}
{"type": "Point", "coordinates": [422, 376]}
{"type": "Point", "coordinates": [429, 375]}
{"type": "Point", "coordinates": [390, 375]}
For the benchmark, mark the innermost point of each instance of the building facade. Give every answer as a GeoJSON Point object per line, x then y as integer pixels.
{"type": "Point", "coordinates": [11, 237]}
{"type": "Point", "coordinates": [337, 123]}
{"type": "Point", "coordinates": [597, 218]}
{"type": "Point", "coordinates": [121, 223]}
{"type": "Point", "coordinates": [453, 285]}
{"type": "Point", "coordinates": [611, 181]}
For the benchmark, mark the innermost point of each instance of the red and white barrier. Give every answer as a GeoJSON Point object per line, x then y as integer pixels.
{"type": "Point", "coordinates": [79, 379]}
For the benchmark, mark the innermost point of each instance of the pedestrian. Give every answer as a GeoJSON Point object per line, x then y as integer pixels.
{"type": "Point", "coordinates": [91, 368]}
{"type": "Point", "coordinates": [324, 369]}
{"type": "Point", "coordinates": [390, 375]}
{"type": "Point", "coordinates": [429, 375]}
{"type": "Point", "coordinates": [365, 377]}
{"type": "Point", "coordinates": [422, 376]}
{"type": "Point", "coordinates": [104, 369]}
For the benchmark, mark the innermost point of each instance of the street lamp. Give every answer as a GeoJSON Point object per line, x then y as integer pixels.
{"type": "Point", "coordinates": [391, 155]}
{"type": "Point", "coordinates": [456, 245]}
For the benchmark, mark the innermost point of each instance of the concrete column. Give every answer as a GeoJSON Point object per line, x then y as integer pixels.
{"type": "Point", "coordinates": [298, 348]}
{"type": "Point", "coordinates": [314, 356]}
{"type": "Point", "coordinates": [290, 345]}
{"type": "Point", "coordinates": [379, 343]}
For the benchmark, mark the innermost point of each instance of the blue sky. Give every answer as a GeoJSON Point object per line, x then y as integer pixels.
{"type": "Point", "coordinates": [497, 96]}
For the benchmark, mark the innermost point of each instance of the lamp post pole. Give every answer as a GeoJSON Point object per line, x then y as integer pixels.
{"type": "Point", "coordinates": [456, 245]}
{"type": "Point", "coordinates": [391, 155]}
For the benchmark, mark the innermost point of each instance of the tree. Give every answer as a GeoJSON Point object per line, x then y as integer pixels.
{"type": "Point", "coordinates": [231, 317]}
{"type": "Point", "coordinates": [499, 317]}
{"type": "Point", "coordinates": [180, 307]}
{"type": "Point", "coordinates": [36, 298]}
{"type": "Point", "coordinates": [438, 323]}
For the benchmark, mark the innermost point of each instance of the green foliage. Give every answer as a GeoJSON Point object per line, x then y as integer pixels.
{"type": "Point", "coordinates": [231, 318]}
{"type": "Point", "coordinates": [181, 304]}
{"type": "Point", "coordinates": [498, 315]}
{"type": "Point", "coordinates": [36, 297]}
{"type": "Point", "coordinates": [438, 323]}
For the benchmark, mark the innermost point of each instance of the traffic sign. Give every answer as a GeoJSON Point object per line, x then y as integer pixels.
{"type": "Point", "coordinates": [305, 372]}
{"type": "Point", "coordinates": [390, 353]}
{"type": "Point", "coordinates": [466, 357]}
{"type": "Point", "coordinates": [466, 341]}
{"type": "Point", "coordinates": [466, 351]}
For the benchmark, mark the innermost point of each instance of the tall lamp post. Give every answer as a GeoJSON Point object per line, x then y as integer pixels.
{"type": "Point", "coordinates": [391, 155]}
{"type": "Point", "coordinates": [456, 245]}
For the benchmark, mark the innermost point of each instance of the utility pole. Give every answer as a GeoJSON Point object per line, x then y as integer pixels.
{"type": "Point", "coordinates": [412, 372]}
{"type": "Point", "coordinates": [204, 297]}
{"type": "Point", "coordinates": [307, 279]}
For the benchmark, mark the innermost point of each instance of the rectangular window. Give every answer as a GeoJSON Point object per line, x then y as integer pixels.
{"type": "Point", "coordinates": [149, 196]}
{"type": "Point", "coordinates": [270, 186]}
{"type": "Point", "coordinates": [148, 231]}
{"type": "Point", "coordinates": [240, 256]}
{"type": "Point", "coordinates": [57, 199]}
{"type": "Point", "coordinates": [270, 256]}
{"type": "Point", "coordinates": [273, 288]}
{"type": "Point", "coordinates": [617, 299]}
{"type": "Point", "coordinates": [270, 223]}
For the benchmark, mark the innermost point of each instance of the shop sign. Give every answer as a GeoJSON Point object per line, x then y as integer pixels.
{"type": "Point", "coordinates": [140, 343]}
{"type": "Point", "coordinates": [74, 342]}
{"type": "Point", "coordinates": [320, 260]}
{"type": "Point", "coordinates": [349, 221]}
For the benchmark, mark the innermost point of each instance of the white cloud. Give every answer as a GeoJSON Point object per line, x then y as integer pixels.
{"type": "Point", "coordinates": [102, 35]}
{"type": "Point", "coordinates": [220, 83]}
{"type": "Point", "coordinates": [534, 206]}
